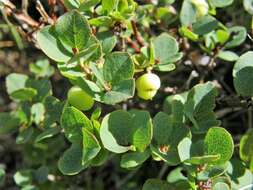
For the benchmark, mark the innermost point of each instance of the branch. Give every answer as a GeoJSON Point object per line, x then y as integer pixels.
{"type": "Point", "coordinates": [137, 35]}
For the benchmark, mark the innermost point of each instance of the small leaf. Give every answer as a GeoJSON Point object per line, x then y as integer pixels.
{"type": "Point", "coordinates": [25, 135]}
{"type": "Point", "coordinates": [228, 56]}
{"type": "Point", "coordinates": [91, 146]}
{"type": "Point", "coordinates": [239, 36]}
{"type": "Point", "coordinates": [199, 107]}
{"type": "Point", "coordinates": [73, 30]}
{"type": "Point", "coordinates": [108, 41]}
{"type": "Point", "coordinates": [37, 113]}
{"type": "Point", "coordinates": [2, 176]}
{"type": "Point", "coordinates": [118, 66]}
{"type": "Point", "coordinates": [242, 74]}
{"type": "Point", "coordinates": [165, 48]}
{"type": "Point", "coordinates": [9, 122]}
{"type": "Point", "coordinates": [108, 5]}
{"type": "Point", "coordinates": [115, 131]}
{"type": "Point", "coordinates": [246, 146]}
{"type": "Point", "coordinates": [248, 6]}
{"type": "Point", "coordinates": [72, 121]}
{"type": "Point", "coordinates": [48, 133]}
{"type": "Point", "coordinates": [71, 161]}
{"type": "Point", "coordinates": [184, 148]}
{"type": "Point", "coordinates": [23, 177]}
{"type": "Point", "coordinates": [221, 3]}
{"type": "Point", "coordinates": [219, 142]}
{"type": "Point", "coordinates": [42, 68]}
{"type": "Point", "coordinates": [51, 46]}
{"type": "Point", "coordinates": [41, 174]}
{"type": "Point", "coordinates": [205, 25]}
{"type": "Point", "coordinates": [134, 159]}
{"type": "Point", "coordinates": [187, 13]}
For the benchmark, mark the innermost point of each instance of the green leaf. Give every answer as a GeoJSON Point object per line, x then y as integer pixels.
{"type": "Point", "coordinates": [101, 21]}
{"type": "Point", "coordinates": [239, 35]}
{"type": "Point", "coordinates": [187, 13]}
{"type": "Point", "coordinates": [24, 94]}
{"type": "Point", "coordinates": [178, 180]}
{"type": "Point", "coordinates": [17, 88]}
{"type": "Point", "coordinates": [42, 68]}
{"type": "Point", "coordinates": [91, 50]}
{"type": "Point", "coordinates": [211, 172]}
{"type": "Point", "coordinates": [242, 181]}
{"type": "Point", "coordinates": [222, 36]}
{"type": "Point", "coordinates": [41, 174]}
{"type": "Point", "coordinates": [156, 184]}
{"type": "Point", "coordinates": [91, 146]}
{"type": "Point", "coordinates": [167, 136]}
{"type": "Point", "coordinates": [142, 128]}
{"type": "Point", "coordinates": [108, 41]}
{"type": "Point", "coordinates": [53, 110]}
{"type": "Point", "coordinates": [221, 3]}
{"type": "Point", "coordinates": [246, 146]}
{"type": "Point", "coordinates": [221, 185]}
{"type": "Point", "coordinates": [165, 48]}
{"type": "Point", "coordinates": [8, 122]}
{"type": "Point", "coordinates": [174, 105]}
{"type": "Point", "coordinates": [134, 159]}
{"type": "Point", "coordinates": [23, 177]}
{"type": "Point", "coordinates": [184, 148]}
{"type": "Point", "coordinates": [37, 113]}
{"type": "Point", "coordinates": [73, 30]}
{"type": "Point", "coordinates": [219, 142]}
{"type": "Point", "coordinates": [186, 32]}
{"type": "Point", "coordinates": [165, 67]}
{"type": "Point", "coordinates": [15, 81]}
{"type": "Point", "coordinates": [25, 135]}
{"type": "Point", "coordinates": [199, 107]}
{"type": "Point", "coordinates": [199, 160]}
{"type": "Point", "coordinates": [242, 74]}
{"type": "Point", "coordinates": [120, 91]}
{"type": "Point", "coordinates": [72, 121]}
{"type": "Point", "coordinates": [48, 133]}
{"type": "Point", "coordinates": [71, 161]}
{"type": "Point", "coordinates": [118, 66]}
{"type": "Point", "coordinates": [109, 5]}
{"type": "Point", "coordinates": [228, 56]}
{"type": "Point", "coordinates": [205, 25]}
{"type": "Point", "coordinates": [43, 88]}
{"type": "Point", "coordinates": [2, 176]}
{"type": "Point", "coordinates": [51, 46]}
{"type": "Point", "coordinates": [248, 6]}
{"type": "Point", "coordinates": [115, 131]}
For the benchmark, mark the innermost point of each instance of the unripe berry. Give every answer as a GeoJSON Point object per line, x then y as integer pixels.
{"type": "Point", "coordinates": [80, 99]}
{"type": "Point", "coordinates": [147, 85]}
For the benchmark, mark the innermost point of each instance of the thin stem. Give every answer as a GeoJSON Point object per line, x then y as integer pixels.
{"type": "Point", "coordinates": [250, 118]}
{"type": "Point", "coordinates": [163, 170]}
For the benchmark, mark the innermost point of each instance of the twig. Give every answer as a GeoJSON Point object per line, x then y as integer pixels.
{"type": "Point", "coordinates": [133, 45]}
{"type": "Point", "coordinates": [42, 12]}
{"type": "Point", "coordinates": [250, 117]}
{"type": "Point", "coordinates": [52, 4]}
{"type": "Point", "coordinates": [163, 170]}
{"type": "Point", "coordinates": [137, 35]}
{"type": "Point", "coordinates": [24, 6]}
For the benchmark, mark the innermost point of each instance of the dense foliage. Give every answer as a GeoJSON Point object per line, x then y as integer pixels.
{"type": "Point", "coordinates": [152, 83]}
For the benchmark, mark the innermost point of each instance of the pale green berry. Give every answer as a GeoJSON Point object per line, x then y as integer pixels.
{"type": "Point", "coordinates": [80, 99]}
{"type": "Point", "coordinates": [147, 86]}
